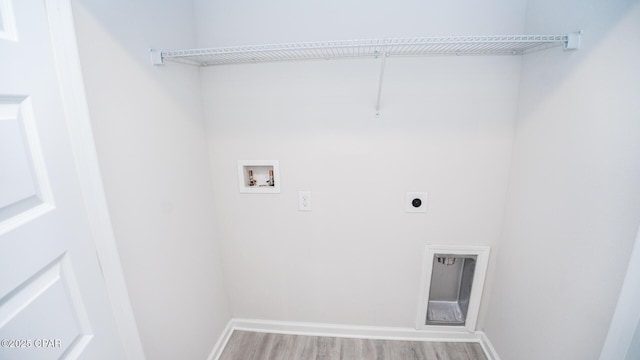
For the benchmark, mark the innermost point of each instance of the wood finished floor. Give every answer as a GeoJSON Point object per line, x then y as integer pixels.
{"type": "Point", "coordinates": [245, 345]}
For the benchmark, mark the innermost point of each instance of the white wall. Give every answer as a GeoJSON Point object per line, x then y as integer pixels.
{"type": "Point", "coordinates": [446, 128]}
{"type": "Point", "coordinates": [246, 22]}
{"type": "Point", "coordinates": [151, 144]}
{"type": "Point", "coordinates": [574, 200]}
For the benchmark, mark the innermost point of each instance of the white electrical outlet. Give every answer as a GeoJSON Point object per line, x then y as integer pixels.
{"type": "Point", "coordinates": [416, 202]}
{"type": "Point", "coordinates": [304, 200]}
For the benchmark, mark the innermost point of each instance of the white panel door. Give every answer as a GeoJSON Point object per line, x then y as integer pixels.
{"type": "Point", "coordinates": [53, 301]}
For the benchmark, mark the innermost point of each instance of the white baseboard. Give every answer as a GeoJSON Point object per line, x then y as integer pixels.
{"type": "Point", "coordinates": [487, 347]}
{"type": "Point", "coordinates": [222, 341]}
{"type": "Point", "coordinates": [350, 331]}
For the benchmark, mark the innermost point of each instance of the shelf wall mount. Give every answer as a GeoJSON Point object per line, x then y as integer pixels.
{"type": "Point", "coordinates": [371, 48]}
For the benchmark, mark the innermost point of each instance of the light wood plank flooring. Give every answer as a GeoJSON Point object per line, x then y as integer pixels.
{"type": "Point", "coordinates": [245, 345]}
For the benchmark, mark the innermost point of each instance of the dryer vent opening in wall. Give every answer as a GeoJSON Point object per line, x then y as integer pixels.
{"type": "Point", "coordinates": [453, 279]}
{"type": "Point", "coordinates": [450, 290]}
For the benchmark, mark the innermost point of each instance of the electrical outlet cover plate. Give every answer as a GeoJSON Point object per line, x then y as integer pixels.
{"type": "Point", "coordinates": [416, 202]}
{"type": "Point", "coordinates": [304, 200]}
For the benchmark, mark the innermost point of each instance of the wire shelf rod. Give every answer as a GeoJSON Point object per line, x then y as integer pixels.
{"type": "Point", "coordinates": [426, 46]}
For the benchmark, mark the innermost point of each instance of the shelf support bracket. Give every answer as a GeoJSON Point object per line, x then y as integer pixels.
{"type": "Point", "coordinates": [384, 55]}
{"type": "Point", "coordinates": [156, 57]}
{"type": "Point", "coordinates": [573, 41]}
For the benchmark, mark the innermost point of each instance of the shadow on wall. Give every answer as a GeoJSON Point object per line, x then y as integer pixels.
{"type": "Point", "coordinates": [573, 198]}
{"type": "Point", "coordinates": [122, 41]}
{"type": "Point", "coordinates": [552, 71]}
{"type": "Point", "coordinates": [151, 144]}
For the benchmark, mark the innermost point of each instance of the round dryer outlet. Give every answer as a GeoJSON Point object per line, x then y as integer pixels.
{"type": "Point", "coordinates": [416, 202]}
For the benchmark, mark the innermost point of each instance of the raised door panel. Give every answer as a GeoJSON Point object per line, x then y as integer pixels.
{"type": "Point", "coordinates": [47, 303]}
{"type": "Point", "coordinates": [7, 21]}
{"type": "Point", "coordinates": [25, 192]}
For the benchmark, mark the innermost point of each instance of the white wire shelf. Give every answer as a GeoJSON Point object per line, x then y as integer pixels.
{"type": "Point", "coordinates": [373, 48]}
